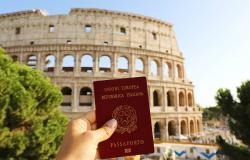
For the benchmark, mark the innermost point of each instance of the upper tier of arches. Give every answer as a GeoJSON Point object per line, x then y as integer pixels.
{"type": "Point", "coordinates": [88, 26]}
{"type": "Point", "coordinates": [69, 63]}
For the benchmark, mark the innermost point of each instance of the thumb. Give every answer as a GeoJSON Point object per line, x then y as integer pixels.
{"type": "Point", "coordinates": [105, 131]}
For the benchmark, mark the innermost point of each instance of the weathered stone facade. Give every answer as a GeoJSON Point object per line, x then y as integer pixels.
{"type": "Point", "coordinates": [92, 44]}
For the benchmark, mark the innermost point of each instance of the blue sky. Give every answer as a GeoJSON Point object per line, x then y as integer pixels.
{"type": "Point", "coordinates": [214, 35]}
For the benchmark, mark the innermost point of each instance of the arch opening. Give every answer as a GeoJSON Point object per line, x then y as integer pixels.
{"type": "Point", "coordinates": [122, 65]}
{"type": "Point", "coordinates": [153, 68]}
{"type": "Point", "coordinates": [50, 63]}
{"type": "Point", "coordinates": [85, 98]}
{"type": "Point", "coordinates": [192, 127]}
{"type": "Point", "coordinates": [181, 99]}
{"type": "Point", "coordinates": [172, 128]}
{"type": "Point", "coordinates": [87, 63]}
{"type": "Point", "coordinates": [123, 31]}
{"type": "Point", "coordinates": [105, 64]}
{"type": "Point", "coordinates": [183, 127]}
{"type": "Point", "coordinates": [14, 58]}
{"type": "Point", "coordinates": [139, 66]}
{"type": "Point", "coordinates": [179, 72]}
{"type": "Point", "coordinates": [68, 63]}
{"type": "Point", "coordinates": [170, 98]}
{"type": "Point", "coordinates": [167, 70]}
{"type": "Point", "coordinates": [157, 131]}
{"type": "Point", "coordinates": [32, 61]}
{"type": "Point", "coordinates": [67, 93]}
{"type": "Point", "coordinates": [190, 99]}
{"type": "Point", "coordinates": [88, 28]}
{"type": "Point", "coordinates": [156, 98]}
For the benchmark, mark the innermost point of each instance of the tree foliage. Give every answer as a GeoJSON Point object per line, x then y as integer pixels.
{"type": "Point", "coordinates": [212, 113]}
{"type": "Point", "coordinates": [238, 114]}
{"type": "Point", "coordinates": [31, 123]}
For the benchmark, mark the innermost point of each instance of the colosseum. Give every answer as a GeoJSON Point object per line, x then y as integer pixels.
{"type": "Point", "coordinates": [94, 44]}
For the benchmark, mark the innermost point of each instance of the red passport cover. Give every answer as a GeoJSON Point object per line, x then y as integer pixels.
{"type": "Point", "coordinates": [126, 100]}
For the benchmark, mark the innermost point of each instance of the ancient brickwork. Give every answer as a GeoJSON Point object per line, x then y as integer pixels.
{"type": "Point", "coordinates": [92, 44]}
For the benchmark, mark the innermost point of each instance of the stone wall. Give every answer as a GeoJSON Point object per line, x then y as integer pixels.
{"type": "Point", "coordinates": [93, 35]}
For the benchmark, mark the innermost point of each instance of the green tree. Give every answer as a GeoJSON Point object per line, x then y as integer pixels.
{"type": "Point", "coordinates": [211, 113]}
{"type": "Point", "coordinates": [31, 123]}
{"type": "Point", "coordinates": [238, 114]}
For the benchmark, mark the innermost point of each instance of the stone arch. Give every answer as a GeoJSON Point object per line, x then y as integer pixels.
{"type": "Point", "coordinates": [123, 31]}
{"type": "Point", "coordinates": [157, 130]}
{"type": "Point", "coordinates": [190, 99]}
{"type": "Point", "coordinates": [154, 68]}
{"type": "Point", "coordinates": [50, 63]}
{"type": "Point", "coordinates": [122, 64]}
{"type": "Point", "coordinates": [139, 65]}
{"type": "Point", "coordinates": [198, 126]}
{"type": "Point", "coordinates": [88, 28]}
{"type": "Point", "coordinates": [156, 98]}
{"type": "Point", "coordinates": [68, 63]}
{"type": "Point", "coordinates": [172, 128]}
{"type": "Point", "coordinates": [87, 63]}
{"type": "Point", "coordinates": [179, 71]}
{"type": "Point", "coordinates": [32, 61]}
{"type": "Point", "coordinates": [67, 94]}
{"type": "Point", "coordinates": [52, 28]}
{"type": "Point", "coordinates": [14, 58]}
{"type": "Point", "coordinates": [167, 70]}
{"type": "Point", "coordinates": [170, 98]}
{"type": "Point", "coordinates": [191, 127]}
{"type": "Point", "coordinates": [105, 64]}
{"type": "Point", "coordinates": [183, 127]}
{"type": "Point", "coordinates": [181, 99]}
{"type": "Point", "coordinates": [85, 98]}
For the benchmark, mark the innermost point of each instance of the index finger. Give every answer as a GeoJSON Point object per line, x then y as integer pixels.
{"type": "Point", "coordinates": [90, 117]}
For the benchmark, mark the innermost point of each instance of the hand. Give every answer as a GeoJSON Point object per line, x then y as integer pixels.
{"type": "Point", "coordinates": [81, 139]}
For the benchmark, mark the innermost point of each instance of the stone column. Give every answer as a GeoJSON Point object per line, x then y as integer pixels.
{"type": "Point", "coordinates": [38, 61]}
{"type": "Point", "coordinates": [161, 69]}
{"type": "Point", "coordinates": [162, 130]}
{"type": "Point", "coordinates": [153, 133]}
{"type": "Point", "coordinates": [178, 127]}
{"type": "Point", "coordinates": [183, 72]}
{"type": "Point", "coordinates": [177, 97]}
{"type": "Point", "coordinates": [186, 97]}
{"type": "Point", "coordinates": [149, 66]}
{"type": "Point", "coordinates": [201, 127]}
{"type": "Point", "coordinates": [132, 65]}
{"type": "Point", "coordinates": [150, 97]}
{"type": "Point", "coordinates": [114, 62]}
{"type": "Point", "coordinates": [188, 126]}
{"type": "Point", "coordinates": [166, 129]}
{"type": "Point", "coordinates": [58, 62]}
{"type": "Point", "coordinates": [164, 98]}
{"type": "Point", "coordinates": [172, 75]}
{"type": "Point", "coordinates": [77, 66]}
{"type": "Point", "coordinates": [96, 62]}
{"type": "Point", "coordinates": [145, 66]}
{"type": "Point", "coordinates": [193, 98]}
{"type": "Point", "coordinates": [21, 57]}
{"type": "Point", "coordinates": [195, 126]}
{"type": "Point", "coordinates": [175, 78]}
{"type": "Point", "coordinates": [75, 101]}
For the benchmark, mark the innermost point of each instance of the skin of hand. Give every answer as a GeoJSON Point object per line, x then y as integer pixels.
{"type": "Point", "coordinates": [81, 138]}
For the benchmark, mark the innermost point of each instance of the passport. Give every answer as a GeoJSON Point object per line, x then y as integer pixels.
{"type": "Point", "coordinates": [126, 100]}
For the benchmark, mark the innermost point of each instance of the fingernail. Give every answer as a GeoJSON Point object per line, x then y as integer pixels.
{"type": "Point", "coordinates": [112, 123]}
